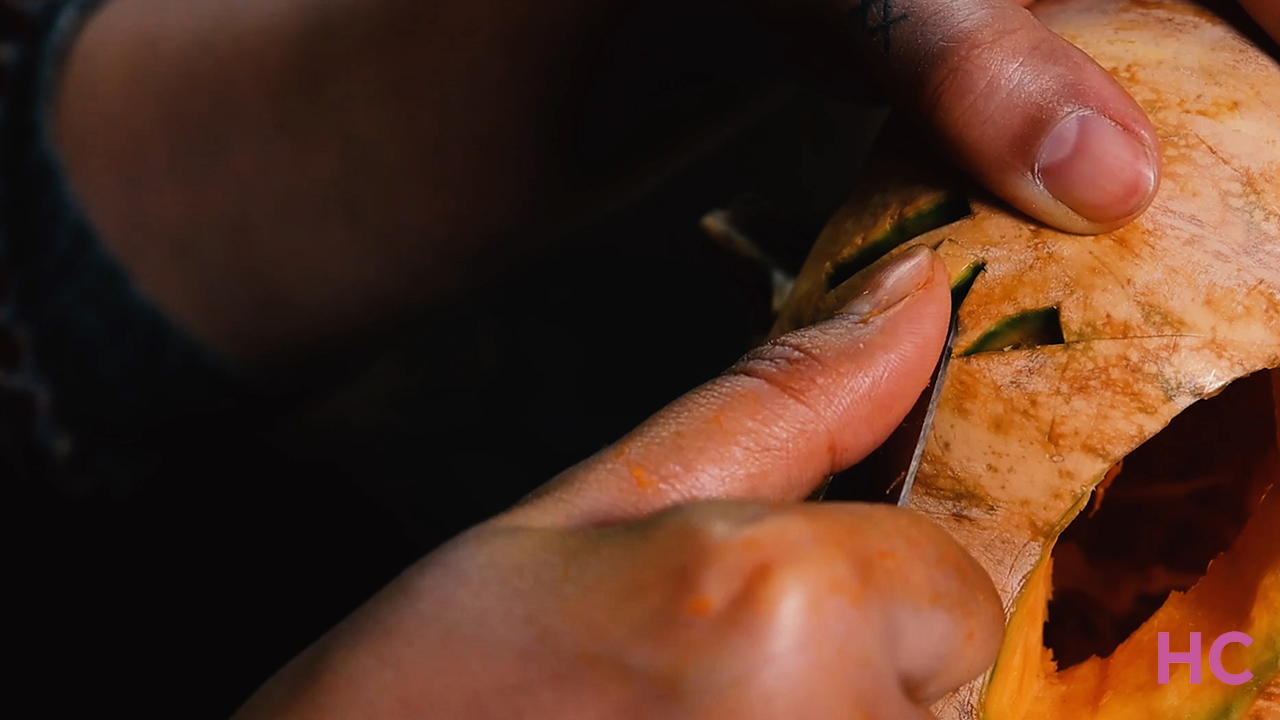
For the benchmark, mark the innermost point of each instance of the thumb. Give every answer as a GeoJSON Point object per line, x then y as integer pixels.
{"type": "Point", "coordinates": [1015, 105]}
{"type": "Point", "coordinates": [802, 407]}
{"type": "Point", "coordinates": [1021, 109]}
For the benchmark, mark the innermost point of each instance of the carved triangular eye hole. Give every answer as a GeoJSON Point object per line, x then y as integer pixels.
{"type": "Point", "coordinates": [913, 222]}
{"type": "Point", "coordinates": [1034, 328]}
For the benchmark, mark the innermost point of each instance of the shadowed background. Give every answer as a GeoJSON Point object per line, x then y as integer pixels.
{"type": "Point", "coordinates": [179, 598]}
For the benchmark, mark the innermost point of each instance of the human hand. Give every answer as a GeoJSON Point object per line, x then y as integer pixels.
{"type": "Point", "coordinates": [1020, 109]}
{"type": "Point", "coordinates": [666, 576]}
{"type": "Point", "coordinates": [251, 241]}
{"type": "Point", "coordinates": [1265, 12]}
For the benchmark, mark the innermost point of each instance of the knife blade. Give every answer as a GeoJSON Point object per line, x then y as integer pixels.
{"type": "Point", "coordinates": [888, 474]}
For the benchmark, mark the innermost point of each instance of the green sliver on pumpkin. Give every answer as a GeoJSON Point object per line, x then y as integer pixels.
{"type": "Point", "coordinates": [1039, 460]}
{"type": "Point", "coordinates": [929, 213]}
{"type": "Point", "coordinates": [1034, 328]}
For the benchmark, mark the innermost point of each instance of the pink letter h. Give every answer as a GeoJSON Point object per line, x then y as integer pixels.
{"type": "Point", "coordinates": [1166, 658]}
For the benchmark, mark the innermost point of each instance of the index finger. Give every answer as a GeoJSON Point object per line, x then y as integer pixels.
{"type": "Point", "coordinates": [807, 405]}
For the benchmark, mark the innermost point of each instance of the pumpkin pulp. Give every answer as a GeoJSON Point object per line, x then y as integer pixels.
{"type": "Point", "coordinates": [1239, 591]}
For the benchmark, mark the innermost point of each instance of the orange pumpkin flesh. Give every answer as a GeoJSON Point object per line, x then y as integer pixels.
{"type": "Point", "coordinates": [1239, 592]}
{"type": "Point", "coordinates": [1075, 352]}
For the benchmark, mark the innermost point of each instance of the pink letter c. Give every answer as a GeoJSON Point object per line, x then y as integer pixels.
{"type": "Point", "coordinates": [1215, 658]}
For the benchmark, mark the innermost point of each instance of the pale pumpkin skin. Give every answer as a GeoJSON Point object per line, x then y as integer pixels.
{"type": "Point", "coordinates": [1155, 316]}
{"type": "Point", "coordinates": [1267, 706]}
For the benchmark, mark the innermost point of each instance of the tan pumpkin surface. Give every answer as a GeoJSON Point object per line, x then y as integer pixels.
{"type": "Point", "coordinates": [1267, 706]}
{"type": "Point", "coordinates": [1155, 316]}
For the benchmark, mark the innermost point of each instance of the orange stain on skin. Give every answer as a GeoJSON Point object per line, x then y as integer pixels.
{"type": "Point", "coordinates": [886, 555]}
{"type": "Point", "coordinates": [717, 420]}
{"type": "Point", "coordinates": [643, 481]}
{"type": "Point", "coordinates": [851, 592]}
{"type": "Point", "coordinates": [702, 606]}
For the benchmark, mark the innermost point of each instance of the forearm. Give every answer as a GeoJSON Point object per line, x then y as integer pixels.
{"type": "Point", "coordinates": [272, 171]}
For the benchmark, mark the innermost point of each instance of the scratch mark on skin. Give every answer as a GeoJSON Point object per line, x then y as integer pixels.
{"type": "Point", "coordinates": [1057, 410]}
{"type": "Point", "coordinates": [1139, 337]}
{"type": "Point", "coordinates": [1110, 271]}
{"type": "Point", "coordinates": [1257, 287]}
{"type": "Point", "coordinates": [1012, 603]}
{"type": "Point", "coordinates": [1217, 155]}
{"type": "Point", "coordinates": [1124, 247]}
{"type": "Point", "coordinates": [1086, 341]}
{"type": "Point", "coordinates": [1053, 422]}
{"type": "Point", "coordinates": [1239, 173]}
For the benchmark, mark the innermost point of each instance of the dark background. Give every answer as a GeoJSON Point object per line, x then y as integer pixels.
{"type": "Point", "coordinates": [182, 596]}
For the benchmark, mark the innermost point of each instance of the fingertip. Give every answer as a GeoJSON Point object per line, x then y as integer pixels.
{"type": "Point", "coordinates": [1097, 164]}
{"type": "Point", "coordinates": [1029, 115]}
{"type": "Point", "coordinates": [788, 414]}
{"type": "Point", "coordinates": [932, 605]}
{"type": "Point", "coordinates": [1102, 174]}
{"type": "Point", "coordinates": [916, 271]}
{"type": "Point", "coordinates": [942, 606]}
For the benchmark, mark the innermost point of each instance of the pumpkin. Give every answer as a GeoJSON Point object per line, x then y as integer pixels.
{"type": "Point", "coordinates": [1106, 435]}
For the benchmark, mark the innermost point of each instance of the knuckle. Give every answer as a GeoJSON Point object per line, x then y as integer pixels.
{"type": "Point", "coordinates": [790, 364]}
{"type": "Point", "coordinates": [795, 369]}
{"type": "Point", "coordinates": [776, 557]}
{"type": "Point", "coordinates": [709, 523]}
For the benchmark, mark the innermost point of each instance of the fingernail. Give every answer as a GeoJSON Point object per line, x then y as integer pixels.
{"type": "Point", "coordinates": [1096, 168]}
{"type": "Point", "coordinates": [890, 283]}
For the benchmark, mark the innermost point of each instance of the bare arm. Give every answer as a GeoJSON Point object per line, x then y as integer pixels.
{"type": "Point", "coordinates": [273, 171]}
{"type": "Point", "coordinates": [277, 172]}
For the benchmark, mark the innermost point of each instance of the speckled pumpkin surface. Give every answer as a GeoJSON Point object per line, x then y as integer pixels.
{"type": "Point", "coordinates": [1075, 352]}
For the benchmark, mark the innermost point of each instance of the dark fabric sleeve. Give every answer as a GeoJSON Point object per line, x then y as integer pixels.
{"type": "Point", "coordinates": [92, 376]}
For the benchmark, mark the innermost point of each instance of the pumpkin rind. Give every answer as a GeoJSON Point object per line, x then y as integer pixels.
{"type": "Point", "coordinates": [1154, 316]}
